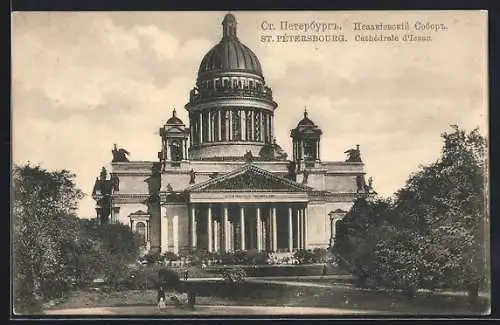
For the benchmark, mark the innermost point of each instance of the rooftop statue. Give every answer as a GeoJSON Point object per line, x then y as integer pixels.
{"type": "Point", "coordinates": [306, 176]}
{"type": "Point", "coordinates": [248, 157]}
{"type": "Point", "coordinates": [192, 176]}
{"type": "Point", "coordinates": [353, 155]}
{"type": "Point", "coordinates": [119, 155]}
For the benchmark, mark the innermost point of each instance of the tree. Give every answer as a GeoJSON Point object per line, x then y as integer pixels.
{"type": "Point", "coordinates": [44, 223]}
{"type": "Point", "coordinates": [358, 234]}
{"type": "Point", "coordinates": [105, 250]}
{"type": "Point", "coordinates": [433, 234]}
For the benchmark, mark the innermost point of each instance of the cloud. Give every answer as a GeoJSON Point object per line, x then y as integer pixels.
{"type": "Point", "coordinates": [83, 81]}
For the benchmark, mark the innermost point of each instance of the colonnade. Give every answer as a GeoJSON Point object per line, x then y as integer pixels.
{"type": "Point", "coordinates": [230, 227]}
{"type": "Point", "coordinates": [231, 124]}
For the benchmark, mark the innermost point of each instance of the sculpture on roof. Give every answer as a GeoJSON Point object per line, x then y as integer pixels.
{"type": "Point", "coordinates": [306, 176]}
{"type": "Point", "coordinates": [192, 176]}
{"type": "Point", "coordinates": [119, 155]}
{"type": "Point", "coordinates": [248, 157]}
{"type": "Point", "coordinates": [115, 182]}
{"type": "Point", "coordinates": [353, 155]}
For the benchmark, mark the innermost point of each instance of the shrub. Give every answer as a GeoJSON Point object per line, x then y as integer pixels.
{"type": "Point", "coordinates": [169, 256]}
{"type": "Point", "coordinates": [169, 278]}
{"type": "Point", "coordinates": [304, 256]}
{"type": "Point", "coordinates": [152, 258]}
{"type": "Point", "coordinates": [240, 257]}
{"type": "Point", "coordinates": [234, 275]}
{"type": "Point", "coordinates": [254, 257]}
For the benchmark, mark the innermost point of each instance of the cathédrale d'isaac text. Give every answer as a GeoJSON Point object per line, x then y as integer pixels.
{"type": "Point", "coordinates": [222, 183]}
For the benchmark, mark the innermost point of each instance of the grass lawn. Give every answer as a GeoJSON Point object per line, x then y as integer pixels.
{"type": "Point", "coordinates": [265, 294]}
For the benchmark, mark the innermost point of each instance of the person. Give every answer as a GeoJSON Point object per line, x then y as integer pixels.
{"type": "Point", "coordinates": [191, 298]}
{"type": "Point", "coordinates": [324, 272]}
{"type": "Point", "coordinates": [186, 274]}
{"type": "Point", "coordinates": [161, 294]}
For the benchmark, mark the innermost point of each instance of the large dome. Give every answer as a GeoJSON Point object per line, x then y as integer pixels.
{"type": "Point", "coordinates": [230, 54]}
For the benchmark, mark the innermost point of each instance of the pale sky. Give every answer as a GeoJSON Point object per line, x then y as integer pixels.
{"type": "Point", "coordinates": [84, 81]}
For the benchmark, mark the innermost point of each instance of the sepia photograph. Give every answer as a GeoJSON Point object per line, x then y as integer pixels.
{"type": "Point", "coordinates": [171, 164]}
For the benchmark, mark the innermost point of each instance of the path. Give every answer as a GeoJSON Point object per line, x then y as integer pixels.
{"type": "Point", "coordinates": [352, 287]}
{"type": "Point", "coordinates": [208, 310]}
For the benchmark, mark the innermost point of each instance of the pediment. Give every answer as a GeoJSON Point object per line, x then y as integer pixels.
{"type": "Point", "coordinates": [249, 178]}
{"type": "Point", "coordinates": [175, 129]}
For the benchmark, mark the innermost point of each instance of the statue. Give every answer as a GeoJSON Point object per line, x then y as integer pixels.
{"type": "Point", "coordinates": [192, 176]}
{"type": "Point", "coordinates": [169, 188]}
{"type": "Point", "coordinates": [214, 175]}
{"type": "Point", "coordinates": [370, 183]}
{"type": "Point", "coordinates": [120, 155]}
{"type": "Point", "coordinates": [353, 155]}
{"type": "Point", "coordinates": [306, 176]}
{"type": "Point", "coordinates": [115, 182]}
{"type": "Point", "coordinates": [292, 170]}
{"type": "Point", "coordinates": [248, 157]}
{"type": "Point", "coordinates": [104, 174]}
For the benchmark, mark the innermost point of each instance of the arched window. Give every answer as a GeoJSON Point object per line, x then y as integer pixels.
{"type": "Point", "coordinates": [140, 228]}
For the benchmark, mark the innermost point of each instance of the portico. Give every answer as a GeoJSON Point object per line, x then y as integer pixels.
{"type": "Point", "coordinates": [248, 209]}
{"type": "Point", "coordinates": [228, 227]}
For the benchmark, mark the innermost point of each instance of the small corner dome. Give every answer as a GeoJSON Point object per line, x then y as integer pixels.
{"type": "Point", "coordinates": [230, 54]}
{"type": "Point", "coordinates": [306, 120]}
{"type": "Point", "coordinates": [174, 119]}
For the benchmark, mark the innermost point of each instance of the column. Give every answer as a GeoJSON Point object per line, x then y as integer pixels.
{"type": "Point", "coordinates": [147, 231]}
{"type": "Point", "coordinates": [317, 150]}
{"type": "Point", "coordinates": [298, 228]}
{"type": "Point", "coordinates": [259, 230]}
{"type": "Point", "coordinates": [201, 128]}
{"type": "Point", "coordinates": [290, 230]}
{"type": "Point", "coordinates": [175, 235]}
{"type": "Point", "coordinates": [252, 126]}
{"type": "Point", "coordinates": [209, 229]}
{"type": "Point", "coordinates": [191, 128]}
{"type": "Point", "coordinates": [164, 231]}
{"type": "Point", "coordinates": [305, 227]}
{"type": "Point", "coordinates": [226, 122]}
{"type": "Point", "coordinates": [225, 230]}
{"type": "Point", "coordinates": [231, 131]}
{"type": "Point", "coordinates": [243, 123]}
{"type": "Point", "coordinates": [219, 129]}
{"type": "Point", "coordinates": [193, 227]}
{"type": "Point", "coordinates": [242, 227]}
{"type": "Point", "coordinates": [132, 225]}
{"type": "Point", "coordinates": [261, 133]}
{"type": "Point", "coordinates": [274, 230]}
{"type": "Point", "coordinates": [272, 126]}
{"type": "Point", "coordinates": [209, 126]}
{"type": "Point", "coordinates": [216, 236]}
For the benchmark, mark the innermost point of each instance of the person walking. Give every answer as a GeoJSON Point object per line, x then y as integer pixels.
{"type": "Point", "coordinates": [161, 295]}
{"type": "Point", "coordinates": [186, 274]}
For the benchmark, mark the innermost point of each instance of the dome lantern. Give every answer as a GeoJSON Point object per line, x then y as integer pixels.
{"type": "Point", "coordinates": [229, 26]}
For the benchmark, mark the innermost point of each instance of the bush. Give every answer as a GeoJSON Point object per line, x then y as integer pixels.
{"type": "Point", "coordinates": [234, 275]}
{"type": "Point", "coordinates": [169, 278]}
{"type": "Point", "coordinates": [152, 258]}
{"type": "Point", "coordinates": [169, 256]}
{"type": "Point", "coordinates": [304, 256]}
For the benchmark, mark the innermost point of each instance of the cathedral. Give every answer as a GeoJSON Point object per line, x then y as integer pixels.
{"type": "Point", "coordinates": [222, 183]}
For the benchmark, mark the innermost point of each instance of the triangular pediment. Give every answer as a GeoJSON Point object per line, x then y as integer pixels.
{"type": "Point", "coordinates": [249, 178]}
{"type": "Point", "coordinates": [175, 129]}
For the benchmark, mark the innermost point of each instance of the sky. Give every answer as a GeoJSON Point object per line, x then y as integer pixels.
{"type": "Point", "coordinates": [83, 81]}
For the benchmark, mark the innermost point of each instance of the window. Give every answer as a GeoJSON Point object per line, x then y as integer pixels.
{"type": "Point", "coordinates": [140, 228]}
